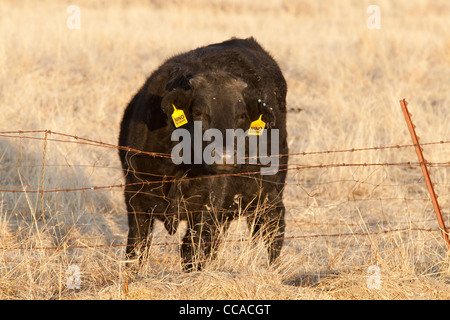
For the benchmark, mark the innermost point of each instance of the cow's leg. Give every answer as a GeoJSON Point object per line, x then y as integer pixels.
{"type": "Point", "coordinates": [219, 233]}
{"type": "Point", "coordinates": [189, 246]}
{"type": "Point", "coordinates": [140, 224]}
{"type": "Point", "coordinates": [270, 227]}
{"type": "Point", "coordinates": [274, 227]}
{"type": "Point", "coordinates": [254, 222]}
{"type": "Point", "coordinates": [200, 241]}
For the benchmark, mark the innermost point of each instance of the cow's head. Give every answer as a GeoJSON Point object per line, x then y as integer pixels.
{"type": "Point", "coordinates": [217, 101]}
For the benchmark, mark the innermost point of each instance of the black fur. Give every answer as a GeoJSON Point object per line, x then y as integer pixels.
{"type": "Point", "coordinates": [220, 85]}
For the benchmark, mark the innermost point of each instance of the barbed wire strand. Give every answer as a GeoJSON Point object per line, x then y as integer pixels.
{"type": "Point", "coordinates": [64, 246]}
{"type": "Point", "coordinates": [25, 134]}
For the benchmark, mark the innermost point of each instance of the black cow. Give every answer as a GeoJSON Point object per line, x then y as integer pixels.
{"type": "Point", "coordinates": [225, 86]}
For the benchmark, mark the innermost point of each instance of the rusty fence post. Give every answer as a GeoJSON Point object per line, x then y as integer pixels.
{"type": "Point", "coordinates": [426, 175]}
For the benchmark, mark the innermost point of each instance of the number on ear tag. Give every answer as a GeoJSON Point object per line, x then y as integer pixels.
{"type": "Point", "coordinates": [178, 117]}
{"type": "Point", "coordinates": [257, 127]}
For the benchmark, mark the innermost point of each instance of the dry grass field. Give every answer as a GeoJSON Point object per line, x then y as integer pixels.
{"type": "Point", "coordinates": [347, 78]}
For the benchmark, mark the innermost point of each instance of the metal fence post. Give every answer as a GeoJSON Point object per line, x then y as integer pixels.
{"type": "Point", "coordinates": [426, 175]}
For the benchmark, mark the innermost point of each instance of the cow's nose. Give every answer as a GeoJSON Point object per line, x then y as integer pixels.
{"type": "Point", "coordinates": [224, 157]}
{"type": "Point", "coordinates": [228, 157]}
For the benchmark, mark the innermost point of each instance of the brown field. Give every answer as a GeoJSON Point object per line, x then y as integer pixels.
{"type": "Point", "coordinates": [341, 220]}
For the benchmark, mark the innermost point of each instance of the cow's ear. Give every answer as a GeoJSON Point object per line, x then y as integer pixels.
{"type": "Point", "coordinates": [240, 84]}
{"type": "Point", "coordinates": [179, 98]}
{"type": "Point", "coordinates": [197, 81]}
{"type": "Point", "coordinates": [268, 114]}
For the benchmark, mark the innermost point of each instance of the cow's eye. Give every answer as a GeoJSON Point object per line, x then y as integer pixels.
{"type": "Point", "coordinates": [196, 113]}
{"type": "Point", "coordinates": [241, 116]}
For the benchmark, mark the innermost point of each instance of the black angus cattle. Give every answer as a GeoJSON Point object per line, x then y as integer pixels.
{"type": "Point", "coordinates": [225, 86]}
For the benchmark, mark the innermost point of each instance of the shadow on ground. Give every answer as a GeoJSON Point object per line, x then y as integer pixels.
{"type": "Point", "coordinates": [309, 279]}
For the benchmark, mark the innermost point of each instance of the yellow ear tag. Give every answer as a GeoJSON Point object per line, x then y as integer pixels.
{"type": "Point", "coordinates": [178, 117]}
{"type": "Point", "coordinates": [257, 127]}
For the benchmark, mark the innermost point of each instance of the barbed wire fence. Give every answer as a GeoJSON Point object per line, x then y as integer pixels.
{"type": "Point", "coordinates": [362, 193]}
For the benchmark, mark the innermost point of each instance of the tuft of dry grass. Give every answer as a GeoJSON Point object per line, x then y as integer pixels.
{"type": "Point", "coordinates": [340, 220]}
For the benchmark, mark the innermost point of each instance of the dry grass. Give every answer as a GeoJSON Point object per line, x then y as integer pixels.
{"type": "Point", "coordinates": [346, 78]}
